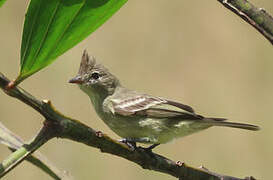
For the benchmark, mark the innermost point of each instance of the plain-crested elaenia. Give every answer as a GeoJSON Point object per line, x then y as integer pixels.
{"type": "Point", "coordinates": [139, 117]}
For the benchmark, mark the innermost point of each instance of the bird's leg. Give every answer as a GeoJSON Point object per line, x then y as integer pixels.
{"type": "Point", "coordinates": [152, 146]}
{"type": "Point", "coordinates": [129, 142]}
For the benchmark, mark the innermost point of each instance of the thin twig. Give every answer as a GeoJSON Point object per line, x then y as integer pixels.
{"type": "Point", "coordinates": [14, 142]}
{"type": "Point", "coordinates": [256, 17]}
{"type": "Point", "coordinates": [24, 151]}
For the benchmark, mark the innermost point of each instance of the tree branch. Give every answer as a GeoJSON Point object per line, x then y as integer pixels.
{"type": "Point", "coordinates": [65, 127]}
{"type": "Point", "coordinates": [256, 17]}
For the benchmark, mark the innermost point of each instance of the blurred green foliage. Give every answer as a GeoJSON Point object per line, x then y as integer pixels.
{"type": "Point", "coordinates": [2, 2]}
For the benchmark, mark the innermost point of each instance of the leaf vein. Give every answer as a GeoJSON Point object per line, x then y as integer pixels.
{"type": "Point", "coordinates": [68, 25]}
{"type": "Point", "coordinates": [28, 40]}
{"type": "Point", "coordinates": [46, 33]}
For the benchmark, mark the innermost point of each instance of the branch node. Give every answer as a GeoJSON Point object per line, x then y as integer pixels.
{"type": "Point", "coordinates": [99, 134]}
{"type": "Point", "coordinates": [53, 126]}
{"type": "Point", "coordinates": [179, 163]}
{"type": "Point", "coordinates": [10, 85]}
{"type": "Point", "coordinates": [250, 178]}
{"type": "Point", "coordinates": [204, 168]}
{"type": "Point", "coordinates": [46, 101]}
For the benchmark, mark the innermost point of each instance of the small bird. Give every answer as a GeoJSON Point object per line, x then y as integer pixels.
{"type": "Point", "coordinates": [138, 117]}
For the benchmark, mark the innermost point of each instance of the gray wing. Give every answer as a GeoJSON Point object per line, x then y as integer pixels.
{"type": "Point", "coordinates": [145, 105]}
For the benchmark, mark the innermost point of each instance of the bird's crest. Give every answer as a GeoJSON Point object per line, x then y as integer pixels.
{"type": "Point", "coordinates": [87, 63]}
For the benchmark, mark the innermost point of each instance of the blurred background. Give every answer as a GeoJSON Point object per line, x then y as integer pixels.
{"type": "Point", "coordinates": [195, 52]}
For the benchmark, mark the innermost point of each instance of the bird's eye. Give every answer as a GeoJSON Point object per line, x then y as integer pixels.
{"type": "Point", "coordinates": [95, 75]}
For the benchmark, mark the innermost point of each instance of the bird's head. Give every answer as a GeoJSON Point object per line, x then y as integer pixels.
{"type": "Point", "coordinates": [94, 78]}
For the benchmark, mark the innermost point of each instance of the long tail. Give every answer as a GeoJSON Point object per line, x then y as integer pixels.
{"type": "Point", "coordinates": [221, 122]}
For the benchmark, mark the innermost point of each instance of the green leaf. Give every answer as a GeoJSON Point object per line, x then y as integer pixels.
{"type": "Point", "coordinates": [2, 2]}
{"type": "Point", "coordinates": [52, 27]}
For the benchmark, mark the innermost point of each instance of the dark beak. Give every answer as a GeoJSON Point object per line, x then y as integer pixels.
{"type": "Point", "coordinates": [76, 80]}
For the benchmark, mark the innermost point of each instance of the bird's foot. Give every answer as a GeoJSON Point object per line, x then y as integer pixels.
{"type": "Point", "coordinates": [131, 143]}
{"type": "Point", "coordinates": [148, 150]}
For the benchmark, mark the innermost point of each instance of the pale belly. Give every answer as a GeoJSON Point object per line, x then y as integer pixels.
{"type": "Point", "coordinates": [147, 130]}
